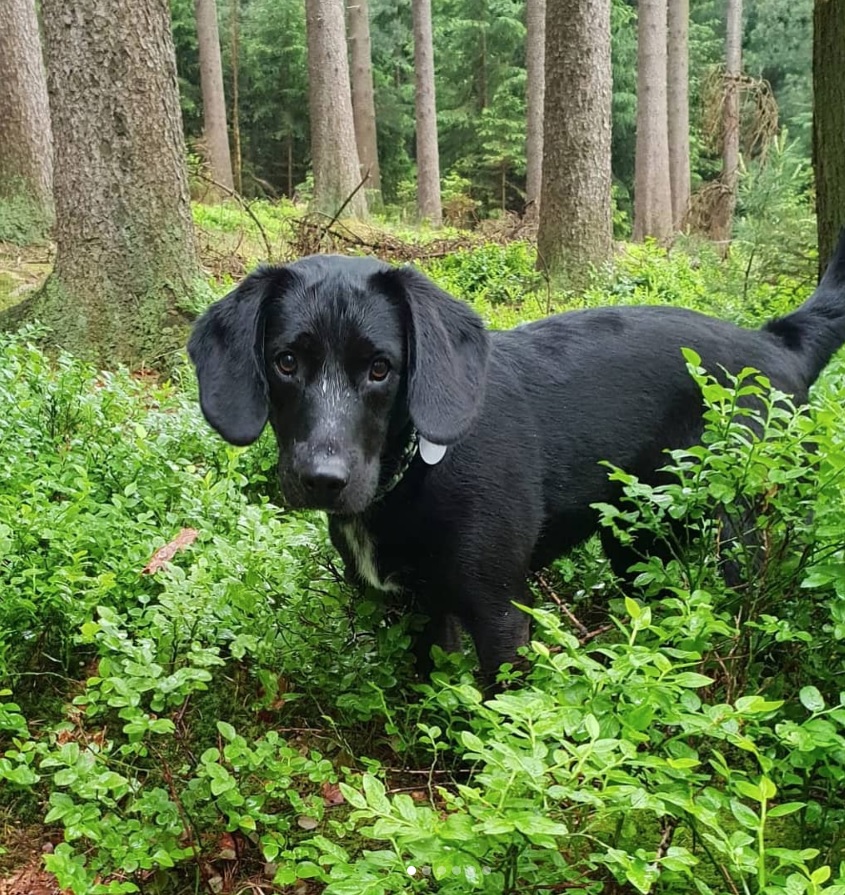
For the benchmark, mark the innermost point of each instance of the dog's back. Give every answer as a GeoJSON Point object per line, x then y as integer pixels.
{"type": "Point", "coordinates": [612, 384]}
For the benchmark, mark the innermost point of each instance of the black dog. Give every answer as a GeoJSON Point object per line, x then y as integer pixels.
{"type": "Point", "coordinates": [453, 461]}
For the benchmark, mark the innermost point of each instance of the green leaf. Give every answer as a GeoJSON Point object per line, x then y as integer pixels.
{"type": "Point", "coordinates": [591, 725]}
{"type": "Point", "coordinates": [750, 790]}
{"type": "Point", "coordinates": [692, 680]}
{"type": "Point", "coordinates": [633, 608]}
{"type": "Point", "coordinates": [639, 718]}
{"type": "Point", "coordinates": [820, 875]}
{"type": "Point", "coordinates": [754, 705]}
{"type": "Point", "coordinates": [355, 799]}
{"type": "Point", "coordinates": [539, 825]}
{"type": "Point", "coordinates": [682, 764]}
{"type": "Point", "coordinates": [785, 809]}
{"type": "Point", "coordinates": [811, 699]}
{"type": "Point", "coordinates": [22, 775]}
{"type": "Point", "coordinates": [748, 818]}
{"type": "Point", "coordinates": [472, 742]}
{"type": "Point", "coordinates": [767, 789]}
{"type": "Point", "coordinates": [226, 731]}
{"type": "Point", "coordinates": [375, 793]}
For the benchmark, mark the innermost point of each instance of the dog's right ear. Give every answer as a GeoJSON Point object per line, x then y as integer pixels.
{"type": "Point", "coordinates": [448, 350]}
{"type": "Point", "coordinates": [227, 350]}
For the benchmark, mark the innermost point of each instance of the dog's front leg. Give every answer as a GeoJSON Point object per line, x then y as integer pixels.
{"type": "Point", "coordinates": [498, 627]}
{"type": "Point", "coordinates": [443, 630]}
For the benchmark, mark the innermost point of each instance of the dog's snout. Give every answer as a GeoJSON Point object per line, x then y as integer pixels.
{"type": "Point", "coordinates": [325, 478]}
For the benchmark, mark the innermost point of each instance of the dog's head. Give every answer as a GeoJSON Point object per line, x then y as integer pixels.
{"type": "Point", "coordinates": [342, 355]}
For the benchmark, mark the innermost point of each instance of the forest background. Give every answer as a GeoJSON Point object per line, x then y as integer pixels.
{"type": "Point", "coordinates": [192, 698]}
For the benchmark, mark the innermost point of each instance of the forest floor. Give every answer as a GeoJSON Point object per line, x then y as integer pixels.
{"type": "Point", "coordinates": [22, 269]}
{"type": "Point", "coordinates": [301, 680]}
{"type": "Point", "coordinates": [230, 244]}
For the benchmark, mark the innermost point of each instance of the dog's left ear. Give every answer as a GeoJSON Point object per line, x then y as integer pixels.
{"type": "Point", "coordinates": [448, 349]}
{"type": "Point", "coordinates": [227, 349]}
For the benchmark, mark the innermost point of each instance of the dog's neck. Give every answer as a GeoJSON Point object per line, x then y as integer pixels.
{"type": "Point", "coordinates": [404, 459]}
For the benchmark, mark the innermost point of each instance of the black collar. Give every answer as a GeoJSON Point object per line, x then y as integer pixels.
{"type": "Point", "coordinates": [406, 458]}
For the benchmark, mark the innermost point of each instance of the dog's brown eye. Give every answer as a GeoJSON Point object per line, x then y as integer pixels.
{"type": "Point", "coordinates": [286, 363]}
{"type": "Point", "coordinates": [379, 369]}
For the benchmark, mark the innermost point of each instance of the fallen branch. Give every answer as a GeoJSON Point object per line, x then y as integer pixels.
{"type": "Point", "coordinates": [244, 204]}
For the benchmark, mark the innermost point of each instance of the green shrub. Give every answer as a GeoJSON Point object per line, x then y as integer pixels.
{"type": "Point", "coordinates": [657, 758]}
{"type": "Point", "coordinates": [693, 743]}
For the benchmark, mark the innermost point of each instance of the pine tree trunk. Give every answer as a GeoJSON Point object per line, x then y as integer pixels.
{"type": "Point", "coordinates": [125, 254]}
{"type": "Point", "coordinates": [334, 154]}
{"type": "Point", "coordinates": [652, 186]}
{"type": "Point", "coordinates": [215, 132]}
{"type": "Point", "coordinates": [26, 160]}
{"type": "Point", "coordinates": [575, 220]}
{"type": "Point", "coordinates": [428, 154]}
{"type": "Point", "coordinates": [535, 53]}
{"type": "Point", "coordinates": [678, 101]}
{"type": "Point", "coordinates": [363, 99]}
{"type": "Point", "coordinates": [235, 46]}
{"type": "Point", "coordinates": [829, 123]}
{"type": "Point", "coordinates": [722, 218]}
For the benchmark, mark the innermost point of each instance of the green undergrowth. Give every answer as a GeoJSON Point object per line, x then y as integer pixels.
{"type": "Point", "coordinates": [231, 709]}
{"type": "Point", "coordinates": [502, 283]}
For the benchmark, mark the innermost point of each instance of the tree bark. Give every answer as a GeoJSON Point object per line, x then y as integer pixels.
{"type": "Point", "coordinates": [722, 219]}
{"type": "Point", "coordinates": [26, 160]}
{"type": "Point", "coordinates": [428, 154]}
{"type": "Point", "coordinates": [125, 254]}
{"type": "Point", "coordinates": [678, 112]}
{"type": "Point", "coordinates": [829, 122]}
{"type": "Point", "coordinates": [363, 99]}
{"type": "Point", "coordinates": [333, 151]}
{"type": "Point", "coordinates": [535, 54]}
{"type": "Point", "coordinates": [652, 187]}
{"type": "Point", "coordinates": [235, 47]}
{"type": "Point", "coordinates": [213, 97]}
{"type": "Point", "coordinates": [575, 219]}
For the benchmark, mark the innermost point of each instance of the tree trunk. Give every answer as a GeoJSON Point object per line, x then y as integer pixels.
{"type": "Point", "coordinates": [575, 220]}
{"type": "Point", "coordinates": [235, 45]}
{"type": "Point", "coordinates": [26, 160]}
{"type": "Point", "coordinates": [678, 101]}
{"type": "Point", "coordinates": [652, 187]}
{"type": "Point", "coordinates": [535, 54]}
{"type": "Point", "coordinates": [829, 122]}
{"type": "Point", "coordinates": [216, 135]}
{"type": "Point", "coordinates": [125, 254]}
{"type": "Point", "coordinates": [363, 99]}
{"type": "Point", "coordinates": [722, 219]}
{"type": "Point", "coordinates": [428, 154]}
{"type": "Point", "coordinates": [333, 151]}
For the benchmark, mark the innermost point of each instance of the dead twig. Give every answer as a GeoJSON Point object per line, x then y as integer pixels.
{"type": "Point", "coordinates": [549, 592]}
{"type": "Point", "coordinates": [244, 204]}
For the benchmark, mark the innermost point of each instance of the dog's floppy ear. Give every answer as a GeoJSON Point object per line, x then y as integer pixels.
{"type": "Point", "coordinates": [227, 349]}
{"type": "Point", "coordinates": [448, 349]}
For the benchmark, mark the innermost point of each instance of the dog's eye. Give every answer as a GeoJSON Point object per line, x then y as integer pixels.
{"type": "Point", "coordinates": [286, 363]}
{"type": "Point", "coordinates": [379, 369]}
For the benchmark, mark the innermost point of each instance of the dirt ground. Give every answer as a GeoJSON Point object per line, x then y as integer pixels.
{"type": "Point", "coordinates": [30, 880]}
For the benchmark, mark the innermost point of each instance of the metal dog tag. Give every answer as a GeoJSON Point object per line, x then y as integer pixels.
{"type": "Point", "coordinates": [431, 453]}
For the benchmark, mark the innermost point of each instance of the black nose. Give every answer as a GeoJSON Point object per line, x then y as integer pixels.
{"type": "Point", "coordinates": [325, 479]}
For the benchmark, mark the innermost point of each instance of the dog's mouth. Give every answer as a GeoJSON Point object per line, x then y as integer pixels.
{"type": "Point", "coordinates": [340, 505]}
{"type": "Point", "coordinates": [351, 499]}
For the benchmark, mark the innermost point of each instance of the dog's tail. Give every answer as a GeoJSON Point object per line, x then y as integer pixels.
{"type": "Point", "coordinates": [817, 329]}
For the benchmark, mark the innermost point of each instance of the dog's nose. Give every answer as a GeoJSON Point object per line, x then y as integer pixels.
{"type": "Point", "coordinates": [326, 479]}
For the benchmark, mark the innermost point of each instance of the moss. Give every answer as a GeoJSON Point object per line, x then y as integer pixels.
{"type": "Point", "coordinates": [22, 220]}
{"type": "Point", "coordinates": [140, 331]}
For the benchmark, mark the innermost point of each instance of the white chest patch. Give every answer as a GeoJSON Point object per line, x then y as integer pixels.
{"type": "Point", "coordinates": [363, 550]}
